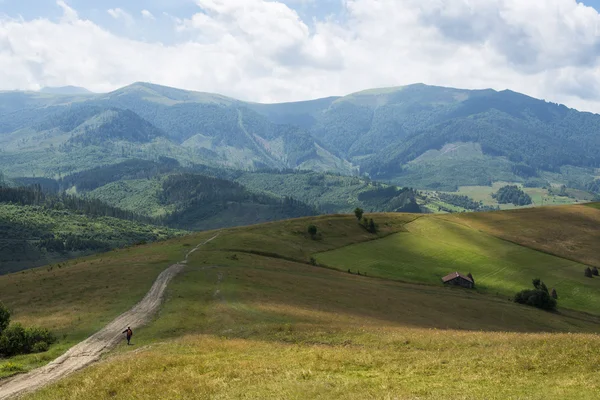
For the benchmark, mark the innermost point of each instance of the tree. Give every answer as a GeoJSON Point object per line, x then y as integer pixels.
{"type": "Point", "coordinates": [312, 231]}
{"type": "Point", "coordinates": [471, 277]}
{"type": "Point", "coordinates": [588, 273]}
{"type": "Point", "coordinates": [539, 297]}
{"type": "Point", "coordinates": [595, 271]}
{"type": "Point", "coordinates": [4, 318]}
{"type": "Point", "coordinates": [358, 212]}
{"type": "Point", "coordinates": [554, 294]}
{"type": "Point", "coordinates": [372, 226]}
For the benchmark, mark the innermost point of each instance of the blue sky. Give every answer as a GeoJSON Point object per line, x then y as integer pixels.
{"type": "Point", "coordinates": [266, 50]}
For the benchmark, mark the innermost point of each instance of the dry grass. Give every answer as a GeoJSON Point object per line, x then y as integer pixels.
{"type": "Point", "coordinates": [571, 232]}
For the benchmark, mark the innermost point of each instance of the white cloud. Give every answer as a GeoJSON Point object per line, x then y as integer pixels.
{"type": "Point", "coordinates": [147, 15]}
{"type": "Point", "coordinates": [120, 14]}
{"type": "Point", "coordinates": [261, 50]}
{"type": "Point", "coordinates": [69, 15]}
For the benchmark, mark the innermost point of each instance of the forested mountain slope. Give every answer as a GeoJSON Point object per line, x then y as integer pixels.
{"type": "Point", "coordinates": [418, 136]}
{"type": "Point", "coordinates": [37, 228]}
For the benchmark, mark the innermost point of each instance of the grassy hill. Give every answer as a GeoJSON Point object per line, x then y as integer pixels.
{"type": "Point", "coordinates": [250, 315]}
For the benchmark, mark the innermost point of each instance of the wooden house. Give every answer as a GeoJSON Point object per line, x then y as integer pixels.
{"type": "Point", "coordinates": [458, 279]}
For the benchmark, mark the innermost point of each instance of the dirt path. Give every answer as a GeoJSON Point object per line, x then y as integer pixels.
{"type": "Point", "coordinates": [91, 349]}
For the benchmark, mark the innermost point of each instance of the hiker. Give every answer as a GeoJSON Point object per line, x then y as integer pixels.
{"type": "Point", "coordinates": [129, 333]}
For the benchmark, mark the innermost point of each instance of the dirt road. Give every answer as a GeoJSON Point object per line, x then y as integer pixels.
{"type": "Point", "coordinates": [90, 350]}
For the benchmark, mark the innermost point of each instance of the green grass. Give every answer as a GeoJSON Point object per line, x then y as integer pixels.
{"type": "Point", "coordinates": [433, 248]}
{"type": "Point", "coordinates": [594, 205]}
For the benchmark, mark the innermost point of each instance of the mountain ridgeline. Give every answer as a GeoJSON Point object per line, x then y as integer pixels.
{"type": "Point", "coordinates": [418, 136]}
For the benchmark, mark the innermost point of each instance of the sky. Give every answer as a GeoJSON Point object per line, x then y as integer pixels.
{"type": "Point", "coordinates": [289, 50]}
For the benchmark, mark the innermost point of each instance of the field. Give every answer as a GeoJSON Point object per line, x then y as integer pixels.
{"type": "Point", "coordinates": [433, 248]}
{"type": "Point", "coordinates": [251, 318]}
{"type": "Point", "coordinates": [539, 196]}
{"type": "Point", "coordinates": [571, 232]}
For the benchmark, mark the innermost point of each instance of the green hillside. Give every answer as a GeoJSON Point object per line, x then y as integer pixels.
{"type": "Point", "coordinates": [251, 315]}
{"type": "Point", "coordinates": [432, 248]}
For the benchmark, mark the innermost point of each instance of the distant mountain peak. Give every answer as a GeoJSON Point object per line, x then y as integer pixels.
{"type": "Point", "coordinates": [65, 90]}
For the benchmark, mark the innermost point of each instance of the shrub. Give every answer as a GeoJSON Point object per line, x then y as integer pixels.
{"type": "Point", "coordinates": [312, 230]}
{"type": "Point", "coordinates": [538, 297]}
{"type": "Point", "coordinates": [4, 318]}
{"type": "Point", "coordinates": [358, 212]}
{"type": "Point", "coordinates": [19, 340]}
{"type": "Point", "coordinates": [372, 226]}
{"type": "Point", "coordinates": [595, 271]}
{"type": "Point", "coordinates": [13, 341]}
{"type": "Point", "coordinates": [588, 273]}
{"type": "Point", "coordinates": [40, 347]}
{"type": "Point", "coordinates": [554, 294]}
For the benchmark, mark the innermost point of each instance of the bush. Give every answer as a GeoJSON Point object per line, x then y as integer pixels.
{"type": "Point", "coordinates": [4, 318]}
{"type": "Point", "coordinates": [312, 230]}
{"type": "Point", "coordinates": [40, 347]}
{"type": "Point", "coordinates": [538, 297]}
{"type": "Point", "coordinates": [588, 273]}
{"type": "Point", "coordinates": [19, 340]}
{"type": "Point", "coordinates": [13, 341]}
{"type": "Point", "coordinates": [595, 271]}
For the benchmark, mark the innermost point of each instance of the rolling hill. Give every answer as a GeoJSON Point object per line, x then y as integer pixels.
{"type": "Point", "coordinates": [417, 136]}
{"type": "Point", "coordinates": [250, 314]}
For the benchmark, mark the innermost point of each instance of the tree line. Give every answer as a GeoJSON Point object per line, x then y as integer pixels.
{"type": "Point", "coordinates": [35, 196]}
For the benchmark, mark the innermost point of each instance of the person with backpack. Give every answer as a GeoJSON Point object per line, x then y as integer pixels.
{"type": "Point", "coordinates": [129, 333]}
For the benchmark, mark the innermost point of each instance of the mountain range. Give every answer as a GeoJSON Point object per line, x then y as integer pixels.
{"type": "Point", "coordinates": [420, 136]}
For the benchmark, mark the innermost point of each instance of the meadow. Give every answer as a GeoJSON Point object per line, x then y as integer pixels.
{"type": "Point", "coordinates": [539, 196]}
{"type": "Point", "coordinates": [250, 317]}
{"type": "Point", "coordinates": [434, 247]}
{"type": "Point", "coordinates": [261, 327]}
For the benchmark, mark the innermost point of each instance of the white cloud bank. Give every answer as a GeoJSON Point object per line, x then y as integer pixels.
{"type": "Point", "coordinates": [262, 51]}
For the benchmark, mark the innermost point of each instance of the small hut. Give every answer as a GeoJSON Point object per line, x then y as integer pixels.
{"type": "Point", "coordinates": [458, 279]}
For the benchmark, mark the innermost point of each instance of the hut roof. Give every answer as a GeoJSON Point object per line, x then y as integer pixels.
{"type": "Point", "coordinates": [455, 275]}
